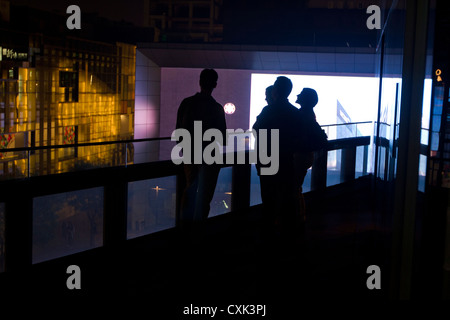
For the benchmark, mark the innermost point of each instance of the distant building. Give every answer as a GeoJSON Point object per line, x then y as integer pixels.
{"type": "Point", "coordinates": [341, 4]}
{"type": "Point", "coordinates": [4, 10]}
{"type": "Point", "coordinates": [185, 20]}
{"type": "Point", "coordinates": [342, 117]}
{"type": "Point", "coordinates": [56, 91]}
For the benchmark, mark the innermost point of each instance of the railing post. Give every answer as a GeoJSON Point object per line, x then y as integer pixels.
{"type": "Point", "coordinates": [319, 170]}
{"type": "Point", "coordinates": [348, 162]}
{"type": "Point", "coordinates": [240, 198]}
{"type": "Point", "coordinates": [181, 185]}
{"type": "Point", "coordinates": [19, 231]}
{"type": "Point", "coordinates": [115, 212]}
{"type": "Point", "coordinates": [365, 159]}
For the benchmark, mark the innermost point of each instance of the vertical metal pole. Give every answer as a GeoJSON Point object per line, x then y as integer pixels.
{"type": "Point", "coordinates": [348, 164]}
{"type": "Point", "coordinates": [365, 159]}
{"type": "Point", "coordinates": [377, 135]}
{"type": "Point", "coordinates": [406, 184]}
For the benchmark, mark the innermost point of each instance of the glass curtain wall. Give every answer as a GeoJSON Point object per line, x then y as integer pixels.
{"type": "Point", "coordinates": [401, 137]}
{"type": "Point", "coordinates": [390, 50]}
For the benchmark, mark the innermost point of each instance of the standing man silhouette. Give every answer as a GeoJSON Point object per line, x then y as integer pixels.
{"type": "Point", "coordinates": [201, 179]}
{"type": "Point", "coordinates": [278, 191]}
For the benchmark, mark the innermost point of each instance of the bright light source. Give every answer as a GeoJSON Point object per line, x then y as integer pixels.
{"type": "Point", "coordinates": [229, 108]}
{"type": "Point", "coordinates": [357, 95]}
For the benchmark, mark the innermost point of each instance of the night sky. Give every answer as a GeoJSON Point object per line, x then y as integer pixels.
{"type": "Point", "coordinates": [117, 10]}
{"type": "Point", "coordinates": [267, 22]}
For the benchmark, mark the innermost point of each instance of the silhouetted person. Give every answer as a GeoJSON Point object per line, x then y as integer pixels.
{"type": "Point", "coordinates": [278, 191]}
{"type": "Point", "coordinates": [307, 99]}
{"type": "Point", "coordinates": [313, 138]}
{"type": "Point", "coordinates": [201, 179]}
{"type": "Point", "coordinates": [269, 99]}
{"type": "Point", "coordinates": [269, 95]}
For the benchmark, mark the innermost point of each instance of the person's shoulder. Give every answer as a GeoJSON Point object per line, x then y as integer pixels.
{"type": "Point", "coordinates": [306, 112]}
{"type": "Point", "coordinates": [188, 102]}
{"type": "Point", "coordinates": [211, 100]}
{"type": "Point", "coordinates": [292, 110]}
{"type": "Point", "coordinates": [190, 99]}
{"type": "Point", "coordinates": [213, 103]}
{"type": "Point", "coordinates": [265, 111]}
{"type": "Point", "coordinates": [217, 104]}
{"type": "Point", "coordinates": [286, 106]}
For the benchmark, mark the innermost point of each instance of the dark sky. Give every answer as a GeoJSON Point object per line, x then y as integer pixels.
{"type": "Point", "coordinates": [113, 9]}
{"type": "Point", "coordinates": [268, 22]}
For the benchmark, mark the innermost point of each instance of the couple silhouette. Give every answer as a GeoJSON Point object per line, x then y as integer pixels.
{"type": "Point", "coordinates": [299, 137]}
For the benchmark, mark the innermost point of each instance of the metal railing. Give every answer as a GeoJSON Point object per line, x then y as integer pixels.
{"type": "Point", "coordinates": [30, 153]}
{"type": "Point", "coordinates": [18, 198]}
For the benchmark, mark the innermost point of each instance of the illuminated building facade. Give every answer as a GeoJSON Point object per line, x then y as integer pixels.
{"type": "Point", "coordinates": [64, 91]}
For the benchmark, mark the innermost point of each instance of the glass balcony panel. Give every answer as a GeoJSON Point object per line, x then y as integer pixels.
{"type": "Point", "coordinates": [306, 187]}
{"type": "Point", "coordinates": [333, 167]}
{"type": "Point", "coordinates": [13, 165]}
{"type": "Point", "coordinates": [255, 187]}
{"type": "Point", "coordinates": [151, 206]}
{"type": "Point", "coordinates": [360, 162]}
{"type": "Point", "coordinates": [221, 202]}
{"type": "Point", "coordinates": [67, 223]}
{"type": "Point", "coordinates": [144, 152]}
{"type": "Point", "coordinates": [165, 149]}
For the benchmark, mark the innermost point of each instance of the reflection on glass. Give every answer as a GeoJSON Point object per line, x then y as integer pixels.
{"type": "Point", "coordinates": [255, 187]}
{"type": "Point", "coordinates": [382, 163]}
{"type": "Point", "coordinates": [67, 223]}
{"type": "Point", "coordinates": [151, 206]}
{"type": "Point", "coordinates": [2, 237]}
{"type": "Point", "coordinates": [364, 129]}
{"type": "Point", "coordinates": [146, 151]}
{"type": "Point", "coordinates": [221, 202]}
{"type": "Point", "coordinates": [14, 165]}
{"type": "Point", "coordinates": [165, 151]}
{"type": "Point", "coordinates": [347, 131]}
{"type": "Point", "coordinates": [54, 161]}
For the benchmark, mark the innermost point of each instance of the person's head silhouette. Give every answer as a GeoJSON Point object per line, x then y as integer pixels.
{"type": "Point", "coordinates": [208, 80]}
{"type": "Point", "coordinates": [282, 88]}
{"type": "Point", "coordinates": [307, 98]}
{"type": "Point", "coordinates": [269, 95]}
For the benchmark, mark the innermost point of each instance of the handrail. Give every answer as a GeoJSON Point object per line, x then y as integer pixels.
{"type": "Point", "coordinates": [86, 144]}
{"type": "Point", "coordinates": [347, 142]}
{"type": "Point", "coordinates": [345, 124]}
{"type": "Point", "coordinates": [20, 193]}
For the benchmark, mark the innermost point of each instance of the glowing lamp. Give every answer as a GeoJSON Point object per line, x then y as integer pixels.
{"type": "Point", "coordinates": [438, 75]}
{"type": "Point", "coordinates": [229, 108]}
